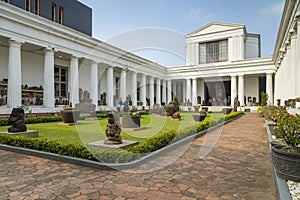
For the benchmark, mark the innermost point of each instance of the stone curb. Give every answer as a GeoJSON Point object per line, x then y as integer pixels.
{"type": "Point", "coordinates": [282, 187]}
{"type": "Point", "coordinates": [116, 166]}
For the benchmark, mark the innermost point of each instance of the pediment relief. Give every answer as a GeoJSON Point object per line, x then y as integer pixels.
{"type": "Point", "coordinates": [215, 27]}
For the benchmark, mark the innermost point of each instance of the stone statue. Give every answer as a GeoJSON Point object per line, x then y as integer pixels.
{"type": "Point", "coordinates": [16, 120]}
{"type": "Point", "coordinates": [113, 129]}
{"type": "Point", "coordinates": [236, 103]}
{"type": "Point", "coordinates": [171, 108]}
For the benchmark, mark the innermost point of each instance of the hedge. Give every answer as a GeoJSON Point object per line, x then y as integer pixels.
{"type": "Point", "coordinates": [78, 151]}
{"type": "Point", "coordinates": [172, 136]}
{"type": "Point", "coordinates": [107, 155]}
{"type": "Point", "coordinates": [35, 120]}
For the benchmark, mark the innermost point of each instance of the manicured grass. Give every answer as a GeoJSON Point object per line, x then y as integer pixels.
{"type": "Point", "coordinates": [89, 131]}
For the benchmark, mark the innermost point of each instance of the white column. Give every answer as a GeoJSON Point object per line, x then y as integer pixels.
{"type": "Point", "coordinates": [169, 89]}
{"type": "Point", "coordinates": [48, 97]}
{"type": "Point", "coordinates": [151, 88]}
{"type": "Point", "coordinates": [143, 89]}
{"type": "Point", "coordinates": [14, 91]}
{"type": "Point", "coordinates": [241, 48]}
{"type": "Point", "coordinates": [241, 90]}
{"type": "Point", "coordinates": [74, 82]}
{"type": "Point", "coordinates": [158, 91]}
{"type": "Point", "coordinates": [293, 77]}
{"type": "Point", "coordinates": [110, 87]}
{"type": "Point", "coordinates": [194, 91]}
{"type": "Point", "coordinates": [123, 86]}
{"type": "Point", "coordinates": [298, 59]}
{"type": "Point", "coordinates": [174, 90]}
{"type": "Point", "coordinates": [233, 89]}
{"type": "Point", "coordinates": [184, 99]}
{"type": "Point", "coordinates": [201, 87]}
{"type": "Point", "coordinates": [269, 88]}
{"type": "Point", "coordinates": [164, 92]}
{"type": "Point", "coordinates": [188, 90]}
{"type": "Point", "coordinates": [134, 89]}
{"type": "Point", "coordinates": [94, 83]}
{"type": "Point", "coordinates": [288, 70]}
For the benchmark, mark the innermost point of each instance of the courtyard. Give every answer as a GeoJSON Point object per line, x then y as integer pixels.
{"type": "Point", "coordinates": [238, 167]}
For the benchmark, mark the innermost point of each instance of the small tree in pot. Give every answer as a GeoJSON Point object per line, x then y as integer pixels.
{"type": "Point", "coordinates": [286, 157]}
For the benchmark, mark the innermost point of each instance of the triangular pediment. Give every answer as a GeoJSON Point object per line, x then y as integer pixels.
{"type": "Point", "coordinates": [215, 27]}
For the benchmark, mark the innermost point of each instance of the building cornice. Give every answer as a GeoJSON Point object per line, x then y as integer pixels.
{"type": "Point", "coordinates": [88, 47]}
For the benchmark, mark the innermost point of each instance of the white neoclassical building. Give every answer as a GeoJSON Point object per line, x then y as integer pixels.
{"type": "Point", "coordinates": [45, 65]}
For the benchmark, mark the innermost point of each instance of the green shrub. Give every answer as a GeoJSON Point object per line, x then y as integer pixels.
{"type": "Point", "coordinates": [35, 120]}
{"type": "Point", "coordinates": [233, 115]}
{"type": "Point", "coordinates": [154, 143]}
{"type": "Point", "coordinates": [260, 110]}
{"type": "Point", "coordinates": [274, 113]}
{"type": "Point", "coordinates": [102, 116]}
{"type": "Point", "coordinates": [288, 129]}
{"type": "Point", "coordinates": [78, 151]}
{"type": "Point", "coordinates": [264, 99]}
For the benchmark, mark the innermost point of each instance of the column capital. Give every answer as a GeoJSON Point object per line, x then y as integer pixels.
{"type": "Point", "coordinates": [241, 75]}
{"type": "Point", "coordinates": [15, 43]}
{"type": "Point", "coordinates": [49, 50]}
{"type": "Point", "coordinates": [233, 76]}
{"type": "Point", "coordinates": [75, 57]}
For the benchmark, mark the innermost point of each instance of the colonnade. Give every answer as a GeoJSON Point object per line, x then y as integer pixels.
{"type": "Point", "coordinates": [162, 92]}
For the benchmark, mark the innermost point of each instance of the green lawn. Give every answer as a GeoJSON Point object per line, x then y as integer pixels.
{"type": "Point", "coordinates": [88, 131]}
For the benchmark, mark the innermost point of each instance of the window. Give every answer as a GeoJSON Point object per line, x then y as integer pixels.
{"type": "Point", "coordinates": [212, 52]}
{"type": "Point", "coordinates": [60, 82]}
{"type": "Point", "coordinates": [54, 7]}
{"type": "Point", "coordinates": [36, 7]}
{"type": "Point", "coordinates": [28, 5]}
{"type": "Point", "coordinates": [61, 15]}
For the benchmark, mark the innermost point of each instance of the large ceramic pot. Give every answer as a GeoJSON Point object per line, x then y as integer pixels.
{"type": "Point", "coordinates": [131, 121]}
{"type": "Point", "coordinates": [199, 117]}
{"type": "Point", "coordinates": [70, 115]}
{"type": "Point", "coordinates": [287, 164]}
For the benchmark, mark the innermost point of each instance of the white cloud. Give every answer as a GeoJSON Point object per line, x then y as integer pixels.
{"type": "Point", "coordinates": [273, 9]}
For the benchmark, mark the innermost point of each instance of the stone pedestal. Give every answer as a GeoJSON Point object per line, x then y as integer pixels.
{"type": "Point", "coordinates": [31, 133]}
{"type": "Point", "coordinates": [101, 144]}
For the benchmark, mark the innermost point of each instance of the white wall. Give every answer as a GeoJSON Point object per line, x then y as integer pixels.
{"type": "Point", "coordinates": [251, 88]}
{"type": "Point", "coordinates": [3, 63]}
{"type": "Point", "coordinates": [32, 69]}
{"type": "Point", "coordinates": [103, 80]}
{"type": "Point", "coordinates": [252, 46]}
{"type": "Point", "coordinates": [85, 77]}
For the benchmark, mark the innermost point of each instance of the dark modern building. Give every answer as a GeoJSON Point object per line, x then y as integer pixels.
{"type": "Point", "coordinates": [70, 13]}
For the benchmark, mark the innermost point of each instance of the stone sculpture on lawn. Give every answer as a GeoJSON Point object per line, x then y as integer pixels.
{"type": "Point", "coordinates": [16, 120]}
{"type": "Point", "coordinates": [113, 129]}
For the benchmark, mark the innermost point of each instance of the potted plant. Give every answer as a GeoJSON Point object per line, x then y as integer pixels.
{"type": "Point", "coordinates": [286, 156]}
{"type": "Point", "coordinates": [260, 111]}
{"type": "Point", "coordinates": [200, 116]}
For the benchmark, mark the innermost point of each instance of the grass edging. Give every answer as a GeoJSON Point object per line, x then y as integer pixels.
{"type": "Point", "coordinates": [116, 166]}
{"type": "Point", "coordinates": [282, 187]}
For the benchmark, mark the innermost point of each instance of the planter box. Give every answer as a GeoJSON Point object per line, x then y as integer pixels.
{"type": "Point", "coordinates": [287, 164]}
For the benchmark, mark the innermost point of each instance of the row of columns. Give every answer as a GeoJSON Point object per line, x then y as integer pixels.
{"type": "Point", "coordinates": [14, 96]}
{"type": "Point", "coordinates": [166, 85]}
{"type": "Point", "coordinates": [239, 90]}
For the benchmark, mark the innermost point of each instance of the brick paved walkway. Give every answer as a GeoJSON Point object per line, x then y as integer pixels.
{"type": "Point", "coordinates": [238, 167]}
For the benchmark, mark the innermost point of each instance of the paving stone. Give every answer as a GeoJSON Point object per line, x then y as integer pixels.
{"type": "Point", "coordinates": [239, 166]}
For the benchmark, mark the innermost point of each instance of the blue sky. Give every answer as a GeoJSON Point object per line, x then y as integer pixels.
{"type": "Point", "coordinates": [155, 29]}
